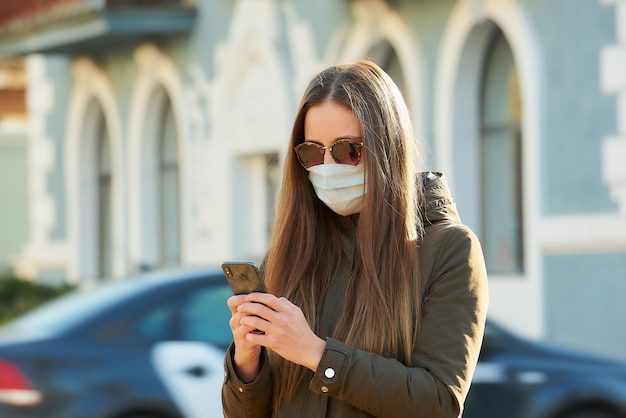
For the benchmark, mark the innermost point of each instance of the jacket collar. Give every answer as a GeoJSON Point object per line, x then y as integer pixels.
{"type": "Point", "coordinates": [438, 204]}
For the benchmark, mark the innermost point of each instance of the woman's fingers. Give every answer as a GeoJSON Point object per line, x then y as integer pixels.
{"type": "Point", "coordinates": [235, 301]}
{"type": "Point", "coordinates": [285, 328]}
{"type": "Point", "coordinates": [266, 299]}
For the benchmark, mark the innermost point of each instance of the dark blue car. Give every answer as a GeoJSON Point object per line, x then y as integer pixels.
{"type": "Point", "coordinates": [153, 347]}
{"type": "Point", "coordinates": [517, 378]}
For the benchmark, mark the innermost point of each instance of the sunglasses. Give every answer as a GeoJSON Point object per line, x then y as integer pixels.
{"type": "Point", "coordinates": [343, 151]}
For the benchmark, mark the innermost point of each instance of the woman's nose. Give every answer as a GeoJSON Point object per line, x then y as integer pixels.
{"type": "Point", "coordinates": [328, 159]}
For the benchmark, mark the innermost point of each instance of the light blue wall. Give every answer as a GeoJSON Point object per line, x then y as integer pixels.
{"type": "Point", "coordinates": [211, 27]}
{"type": "Point", "coordinates": [121, 69]}
{"type": "Point", "coordinates": [325, 18]}
{"type": "Point", "coordinates": [585, 301]}
{"type": "Point", "coordinates": [14, 197]}
{"type": "Point", "coordinates": [427, 20]}
{"type": "Point", "coordinates": [58, 71]}
{"type": "Point", "coordinates": [578, 116]}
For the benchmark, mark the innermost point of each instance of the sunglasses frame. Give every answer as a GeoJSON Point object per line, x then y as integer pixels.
{"type": "Point", "coordinates": [353, 141]}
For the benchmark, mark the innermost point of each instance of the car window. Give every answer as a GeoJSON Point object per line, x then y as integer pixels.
{"type": "Point", "coordinates": [64, 312]}
{"type": "Point", "coordinates": [205, 316]}
{"type": "Point", "coordinates": [155, 323]}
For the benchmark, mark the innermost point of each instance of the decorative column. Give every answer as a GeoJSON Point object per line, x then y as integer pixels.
{"type": "Point", "coordinates": [613, 81]}
{"type": "Point", "coordinates": [42, 257]}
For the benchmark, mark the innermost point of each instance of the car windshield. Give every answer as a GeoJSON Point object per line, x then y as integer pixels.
{"type": "Point", "coordinates": [65, 312]}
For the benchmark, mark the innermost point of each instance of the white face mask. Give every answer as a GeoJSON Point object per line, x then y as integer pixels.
{"type": "Point", "coordinates": [341, 187]}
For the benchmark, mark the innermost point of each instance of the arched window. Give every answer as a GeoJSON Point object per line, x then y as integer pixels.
{"type": "Point", "coordinates": [104, 202]}
{"type": "Point", "coordinates": [168, 187]}
{"type": "Point", "coordinates": [501, 160]}
{"type": "Point", "coordinates": [95, 195]}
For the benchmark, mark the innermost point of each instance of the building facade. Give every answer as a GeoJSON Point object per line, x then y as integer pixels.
{"type": "Point", "coordinates": [13, 161]}
{"type": "Point", "coordinates": [157, 132]}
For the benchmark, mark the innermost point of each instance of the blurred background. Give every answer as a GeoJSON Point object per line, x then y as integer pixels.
{"type": "Point", "coordinates": [136, 135]}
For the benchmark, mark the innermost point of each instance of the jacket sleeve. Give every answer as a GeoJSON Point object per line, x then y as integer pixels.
{"type": "Point", "coordinates": [449, 338]}
{"type": "Point", "coordinates": [246, 400]}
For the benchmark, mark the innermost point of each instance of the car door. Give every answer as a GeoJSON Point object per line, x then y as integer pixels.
{"type": "Point", "coordinates": [192, 367]}
{"type": "Point", "coordinates": [193, 374]}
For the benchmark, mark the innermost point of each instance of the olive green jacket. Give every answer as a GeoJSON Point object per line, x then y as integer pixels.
{"type": "Point", "coordinates": [355, 383]}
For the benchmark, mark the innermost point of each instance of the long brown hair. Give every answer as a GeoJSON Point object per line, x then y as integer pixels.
{"type": "Point", "coordinates": [383, 298]}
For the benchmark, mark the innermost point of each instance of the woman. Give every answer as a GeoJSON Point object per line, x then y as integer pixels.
{"type": "Point", "coordinates": [381, 292]}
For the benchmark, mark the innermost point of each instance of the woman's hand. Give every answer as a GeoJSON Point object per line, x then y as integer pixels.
{"type": "Point", "coordinates": [285, 329]}
{"type": "Point", "coordinates": [247, 353]}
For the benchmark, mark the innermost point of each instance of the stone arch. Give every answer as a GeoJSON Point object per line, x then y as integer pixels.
{"type": "Point", "coordinates": [376, 22]}
{"type": "Point", "coordinates": [456, 108]}
{"type": "Point", "coordinates": [92, 93]}
{"type": "Point", "coordinates": [157, 80]}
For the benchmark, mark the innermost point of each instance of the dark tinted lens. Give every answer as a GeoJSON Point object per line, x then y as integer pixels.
{"type": "Point", "coordinates": [346, 152]}
{"type": "Point", "coordinates": [310, 154]}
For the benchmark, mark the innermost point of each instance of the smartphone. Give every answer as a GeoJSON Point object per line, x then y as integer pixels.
{"type": "Point", "coordinates": [243, 277]}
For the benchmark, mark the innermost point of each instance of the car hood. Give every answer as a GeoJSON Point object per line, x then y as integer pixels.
{"type": "Point", "coordinates": [529, 354]}
{"type": "Point", "coordinates": [10, 335]}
